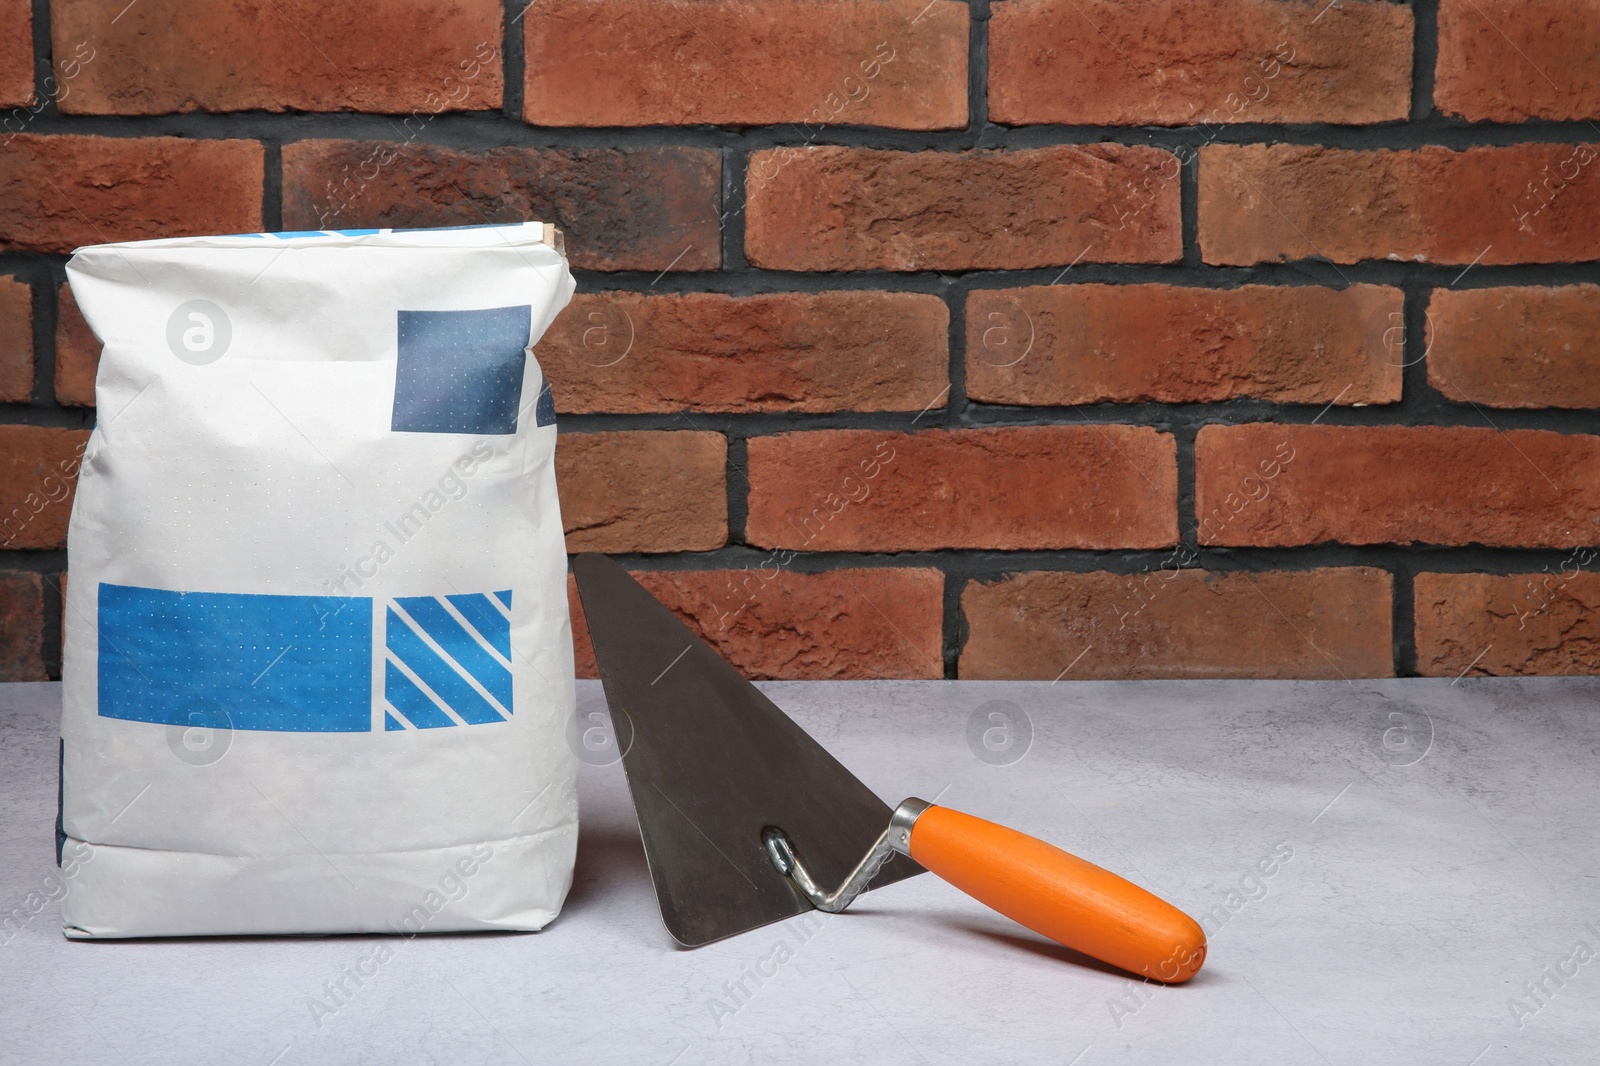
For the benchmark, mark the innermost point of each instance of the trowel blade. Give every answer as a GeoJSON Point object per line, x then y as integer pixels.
{"type": "Point", "coordinates": [711, 762]}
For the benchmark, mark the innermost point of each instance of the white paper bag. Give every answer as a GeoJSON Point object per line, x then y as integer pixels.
{"type": "Point", "coordinates": [318, 665]}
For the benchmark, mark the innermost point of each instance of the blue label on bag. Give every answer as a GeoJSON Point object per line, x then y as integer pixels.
{"type": "Point", "coordinates": [450, 654]}
{"type": "Point", "coordinates": [303, 663]}
{"type": "Point", "coordinates": [460, 371]}
{"type": "Point", "coordinates": [299, 663]}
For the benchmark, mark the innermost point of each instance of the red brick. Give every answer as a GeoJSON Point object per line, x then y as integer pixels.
{"type": "Point", "coordinates": [862, 209]}
{"type": "Point", "coordinates": [1517, 347]}
{"type": "Point", "coordinates": [1260, 203]}
{"type": "Point", "coordinates": [16, 53]}
{"type": "Point", "coordinates": [1104, 486]}
{"type": "Point", "coordinates": [389, 56]}
{"type": "Point", "coordinates": [21, 627]}
{"type": "Point", "coordinates": [77, 353]}
{"type": "Point", "coordinates": [1171, 622]}
{"type": "Point", "coordinates": [1502, 625]}
{"type": "Point", "coordinates": [633, 209]}
{"type": "Point", "coordinates": [899, 63]}
{"type": "Point", "coordinates": [643, 491]}
{"type": "Point", "coordinates": [1274, 485]}
{"type": "Point", "coordinates": [38, 473]}
{"type": "Point", "coordinates": [1512, 60]}
{"type": "Point", "coordinates": [16, 340]}
{"type": "Point", "coordinates": [1072, 344]}
{"type": "Point", "coordinates": [1171, 62]}
{"type": "Point", "coordinates": [773, 623]}
{"type": "Point", "coordinates": [833, 351]}
{"type": "Point", "coordinates": [59, 192]}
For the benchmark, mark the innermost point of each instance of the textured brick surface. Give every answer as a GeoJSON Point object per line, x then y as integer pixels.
{"type": "Point", "coordinates": [634, 209]}
{"type": "Point", "coordinates": [833, 351]}
{"type": "Point", "coordinates": [186, 55]}
{"type": "Point", "coordinates": [21, 627]}
{"type": "Point", "coordinates": [1170, 62]}
{"type": "Point", "coordinates": [1510, 624]}
{"type": "Point", "coordinates": [60, 192]}
{"type": "Point", "coordinates": [16, 340]}
{"type": "Point", "coordinates": [861, 209]}
{"type": "Point", "coordinates": [38, 472]}
{"type": "Point", "coordinates": [900, 63]}
{"type": "Point", "coordinates": [1173, 622]}
{"type": "Point", "coordinates": [652, 491]}
{"type": "Point", "coordinates": [1527, 346]}
{"type": "Point", "coordinates": [1396, 485]}
{"type": "Point", "coordinates": [1511, 60]}
{"type": "Point", "coordinates": [1261, 203]}
{"type": "Point", "coordinates": [1029, 487]}
{"type": "Point", "coordinates": [806, 400]}
{"type": "Point", "coordinates": [16, 53]}
{"type": "Point", "coordinates": [77, 353]}
{"type": "Point", "coordinates": [1072, 344]}
{"type": "Point", "coordinates": [847, 624]}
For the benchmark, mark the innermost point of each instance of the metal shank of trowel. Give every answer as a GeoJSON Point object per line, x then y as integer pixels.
{"type": "Point", "coordinates": [895, 838]}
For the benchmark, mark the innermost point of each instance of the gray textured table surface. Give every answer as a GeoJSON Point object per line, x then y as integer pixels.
{"type": "Point", "coordinates": [1442, 854]}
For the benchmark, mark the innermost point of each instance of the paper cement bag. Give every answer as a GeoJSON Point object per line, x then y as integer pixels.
{"type": "Point", "coordinates": [318, 665]}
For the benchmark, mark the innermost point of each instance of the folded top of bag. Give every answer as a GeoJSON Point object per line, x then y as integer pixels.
{"type": "Point", "coordinates": [518, 234]}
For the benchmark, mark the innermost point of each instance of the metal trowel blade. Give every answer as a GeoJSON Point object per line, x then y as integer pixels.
{"type": "Point", "coordinates": [711, 762]}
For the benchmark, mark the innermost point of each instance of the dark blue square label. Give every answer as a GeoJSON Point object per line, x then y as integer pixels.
{"type": "Point", "coordinates": [460, 371]}
{"type": "Point", "coordinates": [544, 409]}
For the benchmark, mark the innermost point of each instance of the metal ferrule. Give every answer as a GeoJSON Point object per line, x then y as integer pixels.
{"type": "Point", "coordinates": [905, 816]}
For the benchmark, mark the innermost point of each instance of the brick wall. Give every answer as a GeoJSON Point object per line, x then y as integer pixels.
{"type": "Point", "coordinates": [1011, 339]}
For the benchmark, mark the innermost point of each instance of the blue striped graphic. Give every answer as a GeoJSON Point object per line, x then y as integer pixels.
{"type": "Point", "coordinates": [411, 702]}
{"type": "Point", "coordinates": [431, 643]}
{"type": "Point", "coordinates": [487, 619]}
{"type": "Point", "coordinates": [270, 662]}
{"type": "Point", "coordinates": [460, 645]}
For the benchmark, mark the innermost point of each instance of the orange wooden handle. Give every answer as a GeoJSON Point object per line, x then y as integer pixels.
{"type": "Point", "coordinates": [1071, 901]}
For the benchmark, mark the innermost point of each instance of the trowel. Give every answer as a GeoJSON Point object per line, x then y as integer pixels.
{"type": "Point", "coordinates": [747, 820]}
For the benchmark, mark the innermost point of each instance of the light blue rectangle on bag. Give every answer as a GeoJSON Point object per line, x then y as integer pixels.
{"type": "Point", "coordinates": [295, 663]}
